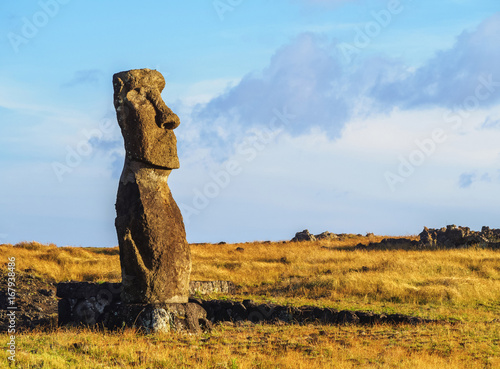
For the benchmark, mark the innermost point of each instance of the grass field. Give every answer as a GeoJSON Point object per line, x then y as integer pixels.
{"type": "Point", "coordinates": [461, 286]}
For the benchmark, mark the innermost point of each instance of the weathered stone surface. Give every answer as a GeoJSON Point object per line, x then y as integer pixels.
{"type": "Point", "coordinates": [452, 236]}
{"type": "Point", "coordinates": [390, 244]}
{"type": "Point", "coordinates": [449, 237]}
{"type": "Point", "coordinates": [147, 124]}
{"type": "Point", "coordinates": [92, 304]}
{"type": "Point", "coordinates": [326, 236]}
{"type": "Point", "coordinates": [208, 287]}
{"type": "Point", "coordinates": [88, 304]}
{"type": "Point", "coordinates": [234, 311]}
{"type": "Point", "coordinates": [303, 236]}
{"type": "Point", "coordinates": [107, 291]}
{"type": "Point", "coordinates": [154, 318]}
{"type": "Point", "coordinates": [151, 318]}
{"type": "Point", "coordinates": [84, 302]}
{"type": "Point", "coordinates": [155, 257]}
{"type": "Point", "coordinates": [85, 290]}
{"type": "Point", "coordinates": [200, 315]}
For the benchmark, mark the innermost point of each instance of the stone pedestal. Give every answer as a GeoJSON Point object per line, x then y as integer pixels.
{"type": "Point", "coordinates": [92, 304]}
{"type": "Point", "coordinates": [100, 304]}
{"type": "Point", "coordinates": [155, 318]}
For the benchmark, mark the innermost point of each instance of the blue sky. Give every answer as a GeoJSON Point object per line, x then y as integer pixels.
{"type": "Point", "coordinates": [349, 116]}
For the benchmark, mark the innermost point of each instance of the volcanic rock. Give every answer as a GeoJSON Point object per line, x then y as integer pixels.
{"type": "Point", "coordinates": [326, 236]}
{"type": "Point", "coordinates": [155, 257]}
{"type": "Point", "coordinates": [303, 236]}
{"type": "Point", "coordinates": [453, 236]}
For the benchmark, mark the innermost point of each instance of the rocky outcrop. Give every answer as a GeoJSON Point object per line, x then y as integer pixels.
{"type": "Point", "coordinates": [390, 244]}
{"type": "Point", "coordinates": [452, 236]}
{"type": "Point", "coordinates": [493, 235]}
{"type": "Point", "coordinates": [326, 236]}
{"type": "Point", "coordinates": [303, 236]}
{"type": "Point", "coordinates": [306, 236]}
{"type": "Point", "coordinates": [447, 237]}
{"type": "Point", "coordinates": [154, 255]}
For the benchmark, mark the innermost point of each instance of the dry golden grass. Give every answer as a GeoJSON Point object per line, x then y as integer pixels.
{"type": "Point", "coordinates": [265, 346]}
{"type": "Point", "coordinates": [328, 273]}
{"type": "Point", "coordinates": [65, 263]}
{"type": "Point", "coordinates": [461, 285]}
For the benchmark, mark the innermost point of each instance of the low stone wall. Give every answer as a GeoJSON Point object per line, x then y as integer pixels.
{"type": "Point", "coordinates": [93, 304]}
{"type": "Point", "coordinates": [84, 302]}
{"type": "Point", "coordinates": [234, 311]}
{"type": "Point", "coordinates": [208, 287]}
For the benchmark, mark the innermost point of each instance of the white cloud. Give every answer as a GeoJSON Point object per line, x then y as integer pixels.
{"type": "Point", "coordinates": [325, 171]}
{"type": "Point", "coordinates": [309, 78]}
{"type": "Point", "coordinates": [200, 92]}
{"type": "Point", "coordinates": [312, 181]}
{"type": "Point", "coordinates": [453, 75]}
{"type": "Point", "coordinates": [352, 126]}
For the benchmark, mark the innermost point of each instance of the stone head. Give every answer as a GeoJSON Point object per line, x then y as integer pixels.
{"type": "Point", "coordinates": [145, 120]}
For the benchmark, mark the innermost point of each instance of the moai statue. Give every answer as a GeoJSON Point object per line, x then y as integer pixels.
{"type": "Point", "coordinates": [154, 255]}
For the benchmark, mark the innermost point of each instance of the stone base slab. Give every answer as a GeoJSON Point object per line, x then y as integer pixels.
{"type": "Point", "coordinates": [155, 318]}
{"type": "Point", "coordinates": [90, 304]}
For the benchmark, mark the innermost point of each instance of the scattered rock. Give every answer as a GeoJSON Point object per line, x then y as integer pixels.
{"type": "Point", "coordinates": [303, 236]}
{"type": "Point", "coordinates": [306, 236]}
{"type": "Point", "coordinates": [452, 236]}
{"type": "Point", "coordinates": [326, 236]}
{"type": "Point", "coordinates": [222, 243]}
{"type": "Point", "coordinates": [493, 235]}
{"type": "Point", "coordinates": [447, 237]}
{"type": "Point", "coordinates": [240, 249]}
{"type": "Point", "coordinates": [389, 244]}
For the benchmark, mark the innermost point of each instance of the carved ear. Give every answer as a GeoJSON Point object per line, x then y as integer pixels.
{"type": "Point", "coordinates": [118, 85]}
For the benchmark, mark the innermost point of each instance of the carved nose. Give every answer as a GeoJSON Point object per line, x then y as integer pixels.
{"type": "Point", "coordinates": [165, 118]}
